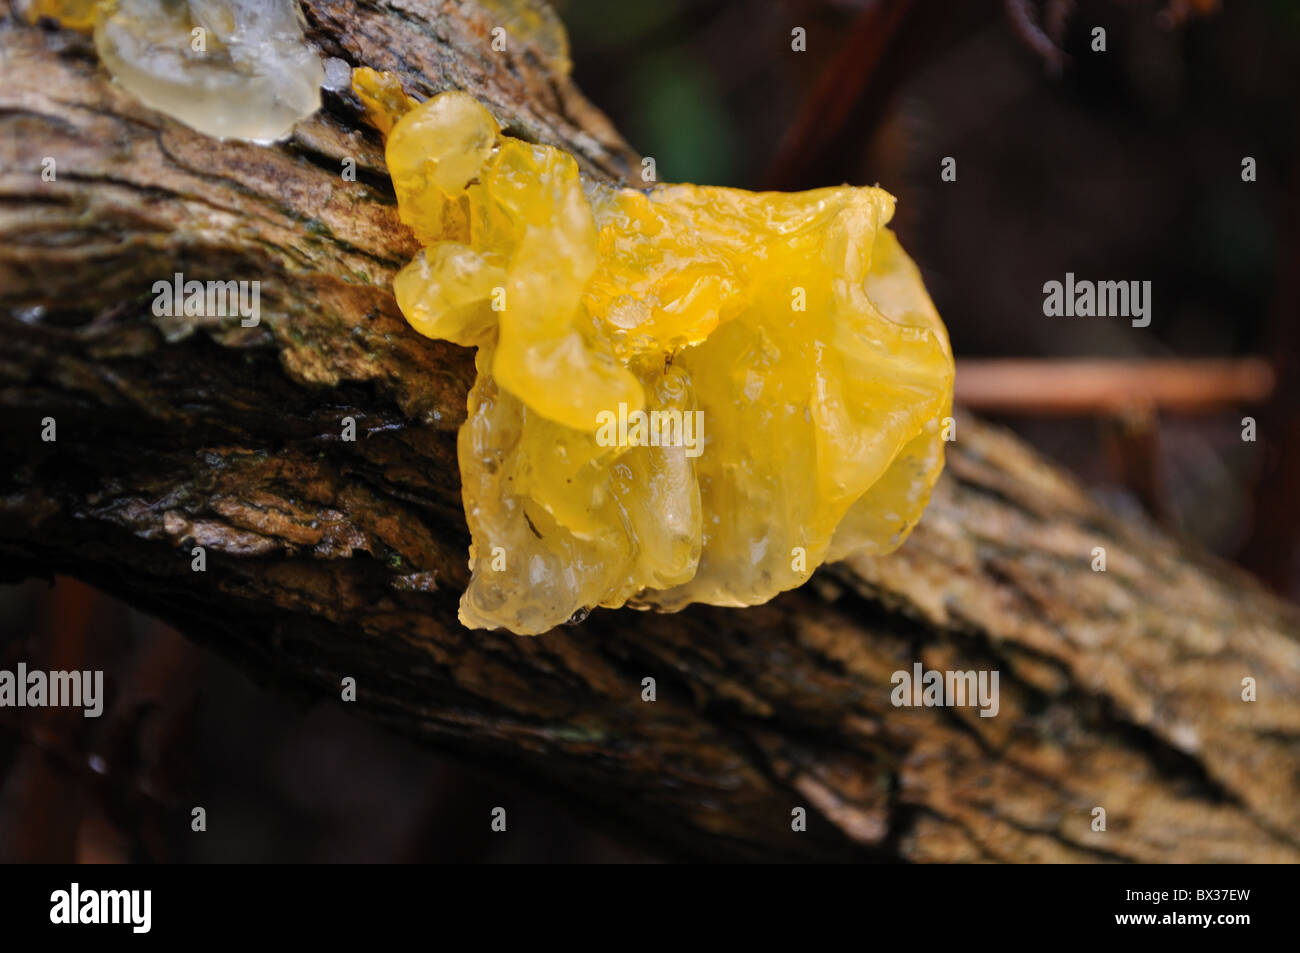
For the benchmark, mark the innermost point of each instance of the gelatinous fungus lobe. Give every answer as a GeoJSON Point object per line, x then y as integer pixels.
{"type": "Point", "coordinates": [230, 68]}
{"type": "Point", "coordinates": [687, 394]}
{"type": "Point", "coordinates": [74, 14]}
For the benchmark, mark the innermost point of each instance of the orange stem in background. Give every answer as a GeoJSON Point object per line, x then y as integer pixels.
{"type": "Point", "coordinates": [1091, 386]}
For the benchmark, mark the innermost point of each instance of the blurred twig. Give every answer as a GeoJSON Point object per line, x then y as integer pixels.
{"type": "Point", "coordinates": [1099, 386]}
{"type": "Point", "coordinates": [1024, 23]}
{"type": "Point", "coordinates": [859, 64]}
{"type": "Point", "coordinates": [1273, 548]}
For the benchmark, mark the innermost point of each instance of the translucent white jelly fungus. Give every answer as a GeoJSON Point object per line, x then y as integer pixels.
{"type": "Point", "coordinates": [231, 68]}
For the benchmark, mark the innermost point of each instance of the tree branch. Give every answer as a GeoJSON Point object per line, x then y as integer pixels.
{"type": "Point", "coordinates": [1120, 689]}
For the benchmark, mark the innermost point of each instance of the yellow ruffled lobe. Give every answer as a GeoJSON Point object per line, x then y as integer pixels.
{"type": "Point", "coordinates": [788, 336]}
{"type": "Point", "coordinates": [383, 97]}
{"type": "Point", "coordinates": [74, 14]}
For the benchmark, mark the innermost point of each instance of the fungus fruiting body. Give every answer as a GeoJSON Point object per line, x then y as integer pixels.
{"type": "Point", "coordinates": [684, 394]}
{"type": "Point", "coordinates": [230, 68]}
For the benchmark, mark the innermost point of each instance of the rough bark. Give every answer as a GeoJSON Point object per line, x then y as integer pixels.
{"type": "Point", "coordinates": [1119, 689]}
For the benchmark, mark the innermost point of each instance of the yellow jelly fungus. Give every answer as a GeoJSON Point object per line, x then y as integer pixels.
{"type": "Point", "coordinates": [74, 14]}
{"type": "Point", "coordinates": [686, 394]}
{"type": "Point", "coordinates": [534, 24]}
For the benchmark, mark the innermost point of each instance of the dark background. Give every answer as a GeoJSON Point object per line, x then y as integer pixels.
{"type": "Point", "coordinates": [1117, 165]}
